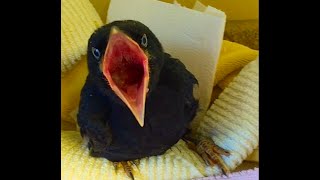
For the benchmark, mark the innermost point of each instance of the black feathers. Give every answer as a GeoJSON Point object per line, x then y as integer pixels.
{"type": "Point", "coordinates": [170, 106]}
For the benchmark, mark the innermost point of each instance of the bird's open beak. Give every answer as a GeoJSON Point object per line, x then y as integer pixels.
{"type": "Point", "coordinates": [125, 66]}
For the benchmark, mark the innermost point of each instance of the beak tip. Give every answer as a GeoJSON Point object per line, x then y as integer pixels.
{"type": "Point", "coordinates": [141, 122]}
{"type": "Point", "coordinates": [114, 30]}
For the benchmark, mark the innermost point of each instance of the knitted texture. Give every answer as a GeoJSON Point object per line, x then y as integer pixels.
{"type": "Point", "coordinates": [177, 163]}
{"type": "Point", "coordinates": [78, 21]}
{"type": "Point", "coordinates": [232, 122]}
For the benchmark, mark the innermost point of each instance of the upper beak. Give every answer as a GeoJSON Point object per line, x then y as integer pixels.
{"type": "Point", "coordinates": [121, 47]}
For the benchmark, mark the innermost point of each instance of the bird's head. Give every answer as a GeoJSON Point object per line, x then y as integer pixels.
{"type": "Point", "coordinates": [127, 57]}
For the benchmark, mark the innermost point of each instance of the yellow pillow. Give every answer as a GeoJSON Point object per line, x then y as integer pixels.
{"type": "Point", "coordinates": [71, 85]}
{"type": "Point", "coordinates": [233, 56]}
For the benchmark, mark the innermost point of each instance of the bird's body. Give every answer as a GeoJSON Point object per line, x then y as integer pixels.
{"type": "Point", "coordinates": [132, 79]}
{"type": "Point", "coordinates": [170, 107]}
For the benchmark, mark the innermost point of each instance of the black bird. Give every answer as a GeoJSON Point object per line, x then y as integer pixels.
{"type": "Point", "coordinates": [137, 100]}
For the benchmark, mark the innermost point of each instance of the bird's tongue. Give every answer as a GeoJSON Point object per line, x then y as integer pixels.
{"type": "Point", "coordinates": [125, 66]}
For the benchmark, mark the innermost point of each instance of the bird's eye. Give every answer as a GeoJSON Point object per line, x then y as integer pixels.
{"type": "Point", "coordinates": [96, 53]}
{"type": "Point", "coordinates": [144, 40]}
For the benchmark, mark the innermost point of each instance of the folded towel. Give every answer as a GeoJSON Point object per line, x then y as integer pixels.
{"type": "Point", "coordinates": [232, 120]}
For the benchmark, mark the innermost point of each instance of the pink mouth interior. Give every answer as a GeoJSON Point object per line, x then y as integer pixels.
{"type": "Point", "coordinates": [125, 67]}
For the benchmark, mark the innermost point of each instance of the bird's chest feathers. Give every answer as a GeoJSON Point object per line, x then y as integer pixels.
{"type": "Point", "coordinates": [164, 119]}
